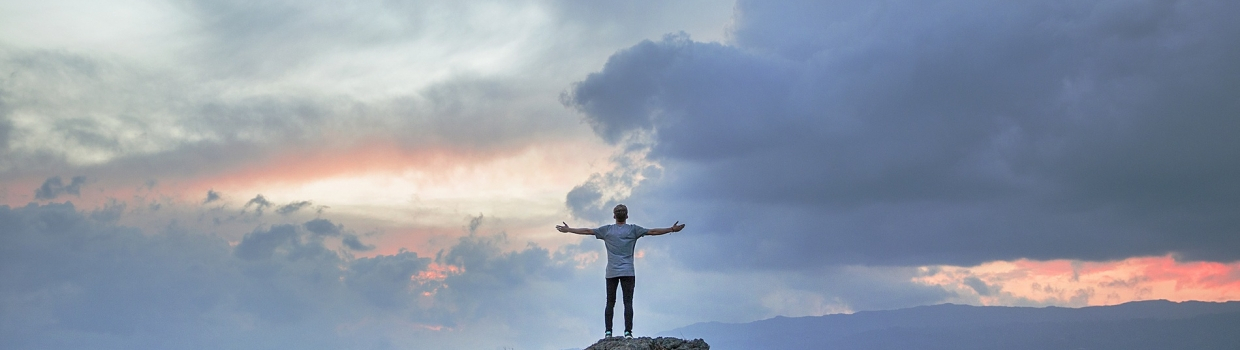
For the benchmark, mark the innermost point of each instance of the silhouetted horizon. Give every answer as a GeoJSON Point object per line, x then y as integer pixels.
{"type": "Point", "coordinates": [1147, 324]}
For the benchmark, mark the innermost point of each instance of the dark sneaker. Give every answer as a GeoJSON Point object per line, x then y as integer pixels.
{"type": "Point", "coordinates": [628, 334]}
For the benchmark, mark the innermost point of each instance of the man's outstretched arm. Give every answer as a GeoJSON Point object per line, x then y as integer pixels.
{"type": "Point", "coordinates": [659, 231]}
{"type": "Point", "coordinates": [580, 231]}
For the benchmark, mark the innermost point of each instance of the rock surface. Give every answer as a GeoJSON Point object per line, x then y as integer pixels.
{"type": "Point", "coordinates": [647, 343]}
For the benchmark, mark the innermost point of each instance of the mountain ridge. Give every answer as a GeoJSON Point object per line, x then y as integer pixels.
{"type": "Point", "coordinates": [958, 326]}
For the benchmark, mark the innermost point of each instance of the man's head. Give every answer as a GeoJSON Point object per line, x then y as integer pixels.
{"type": "Point", "coordinates": [620, 212]}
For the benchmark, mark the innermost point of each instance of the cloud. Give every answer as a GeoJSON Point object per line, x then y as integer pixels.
{"type": "Point", "coordinates": [112, 211]}
{"type": "Point", "coordinates": [672, 291]}
{"type": "Point", "coordinates": [292, 207]}
{"type": "Point", "coordinates": [192, 129]}
{"type": "Point", "coordinates": [259, 202]}
{"type": "Point", "coordinates": [323, 227]}
{"type": "Point", "coordinates": [1079, 283]}
{"type": "Point", "coordinates": [594, 199]}
{"type": "Point", "coordinates": [474, 223]}
{"type": "Point", "coordinates": [92, 283]}
{"type": "Point", "coordinates": [917, 133]}
{"type": "Point", "coordinates": [53, 187]}
{"type": "Point", "coordinates": [211, 197]}
{"type": "Point", "coordinates": [978, 286]}
{"type": "Point", "coordinates": [492, 275]}
{"type": "Point", "coordinates": [352, 242]}
{"type": "Point", "coordinates": [205, 95]}
{"type": "Point", "coordinates": [374, 71]}
{"type": "Point", "coordinates": [262, 244]}
{"type": "Point", "coordinates": [298, 284]}
{"type": "Point", "coordinates": [6, 126]}
{"type": "Point", "coordinates": [385, 280]}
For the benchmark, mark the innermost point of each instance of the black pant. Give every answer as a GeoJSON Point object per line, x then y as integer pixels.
{"type": "Point", "coordinates": [627, 283]}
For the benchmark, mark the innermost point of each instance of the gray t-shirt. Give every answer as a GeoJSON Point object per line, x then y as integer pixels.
{"type": "Point", "coordinates": [621, 241]}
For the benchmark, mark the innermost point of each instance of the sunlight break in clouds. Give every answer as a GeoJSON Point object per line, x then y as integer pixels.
{"type": "Point", "coordinates": [1084, 283]}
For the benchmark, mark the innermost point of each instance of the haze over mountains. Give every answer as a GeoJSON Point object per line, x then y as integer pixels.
{"type": "Point", "coordinates": [1157, 324]}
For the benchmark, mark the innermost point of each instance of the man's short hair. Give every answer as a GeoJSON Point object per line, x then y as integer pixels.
{"type": "Point", "coordinates": [619, 207]}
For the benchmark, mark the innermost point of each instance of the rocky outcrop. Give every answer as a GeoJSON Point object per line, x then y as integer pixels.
{"type": "Point", "coordinates": [647, 343]}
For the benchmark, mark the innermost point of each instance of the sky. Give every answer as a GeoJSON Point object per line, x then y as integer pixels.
{"type": "Point", "coordinates": [388, 174]}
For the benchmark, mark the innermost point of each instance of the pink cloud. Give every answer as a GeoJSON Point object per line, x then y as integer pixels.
{"type": "Point", "coordinates": [1082, 283]}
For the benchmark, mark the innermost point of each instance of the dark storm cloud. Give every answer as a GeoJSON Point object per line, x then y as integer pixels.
{"type": "Point", "coordinates": [54, 187]}
{"type": "Point", "coordinates": [927, 132]}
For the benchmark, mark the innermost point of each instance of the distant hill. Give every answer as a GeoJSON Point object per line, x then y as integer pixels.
{"type": "Point", "coordinates": [1158, 324]}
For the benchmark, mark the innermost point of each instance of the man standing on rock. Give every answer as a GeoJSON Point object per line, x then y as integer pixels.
{"type": "Point", "coordinates": [621, 239]}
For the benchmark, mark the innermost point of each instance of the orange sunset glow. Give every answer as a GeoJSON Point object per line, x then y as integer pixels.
{"type": "Point", "coordinates": [1084, 283]}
